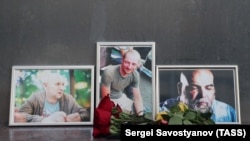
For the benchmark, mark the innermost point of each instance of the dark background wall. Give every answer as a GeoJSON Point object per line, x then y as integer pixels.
{"type": "Point", "coordinates": [65, 32]}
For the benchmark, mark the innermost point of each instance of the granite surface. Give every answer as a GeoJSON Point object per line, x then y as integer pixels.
{"type": "Point", "coordinates": [83, 133]}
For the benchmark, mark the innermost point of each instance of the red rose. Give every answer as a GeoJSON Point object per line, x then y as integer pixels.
{"type": "Point", "coordinates": [116, 111]}
{"type": "Point", "coordinates": [106, 104]}
{"type": "Point", "coordinates": [102, 116]}
{"type": "Point", "coordinates": [101, 131]}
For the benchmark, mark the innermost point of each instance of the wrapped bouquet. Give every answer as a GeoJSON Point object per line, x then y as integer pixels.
{"type": "Point", "coordinates": [109, 117]}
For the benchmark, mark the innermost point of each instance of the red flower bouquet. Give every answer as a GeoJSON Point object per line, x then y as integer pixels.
{"type": "Point", "coordinates": [102, 117]}
{"type": "Point", "coordinates": [108, 118]}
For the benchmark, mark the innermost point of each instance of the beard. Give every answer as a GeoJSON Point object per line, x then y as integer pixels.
{"type": "Point", "coordinates": [203, 105]}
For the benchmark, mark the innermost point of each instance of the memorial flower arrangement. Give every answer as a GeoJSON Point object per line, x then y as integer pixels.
{"type": "Point", "coordinates": [109, 117]}
{"type": "Point", "coordinates": [180, 114]}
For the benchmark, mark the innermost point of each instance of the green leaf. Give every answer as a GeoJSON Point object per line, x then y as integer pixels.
{"type": "Point", "coordinates": [180, 114]}
{"type": "Point", "coordinates": [207, 114]}
{"type": "Point", "coordinates": [209, 122]}
{"type": "Point", "coordinates": [175, 109]}
{"type": "Point", "coordinates": [176, 120]}
{"type": "Point", "coordinates": [187, 122]}
{"type": "Point", "coordinates": [190, 115]}
{"type": "Point", "coordinates": [196, 122]}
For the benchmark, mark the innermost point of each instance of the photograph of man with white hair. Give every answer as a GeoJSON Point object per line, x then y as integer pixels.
{"type": "Point", "coordinates": [51, 103]}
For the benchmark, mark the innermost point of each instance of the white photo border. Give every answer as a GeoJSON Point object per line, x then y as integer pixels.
{"type": "Point", "coordinates": [15, 69]}
{"type": "Point", "coordinates": [164, 68]}
{"type": "Point", "coordinates": [150, 45]}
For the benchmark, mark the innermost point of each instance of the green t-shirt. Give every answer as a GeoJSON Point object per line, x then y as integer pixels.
{"type": "Point", "coordinates": [112, 78]}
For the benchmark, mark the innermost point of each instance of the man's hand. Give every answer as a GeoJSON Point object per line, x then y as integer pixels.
{"type": "Point", "coordinates": [56, 117]}
{"type": "Point", "coordinates": [19, 117]}
{"type": "Point", "coordinates": [75, 117]}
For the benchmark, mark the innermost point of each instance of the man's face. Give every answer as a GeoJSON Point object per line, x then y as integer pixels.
{"type": "Point", "coordinates": [129, 63]}
{"type": "Point", "coordinates": [55, 87]}
{"type": "Point", "coordinates": [199, 89]}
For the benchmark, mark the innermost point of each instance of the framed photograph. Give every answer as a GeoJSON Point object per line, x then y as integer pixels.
{"type": "Point", "coordinates": [52, 95]}
{"type": "Point", "coordinates": [125, 71]}
{"type": "Point", "coordinates": [205, 88]}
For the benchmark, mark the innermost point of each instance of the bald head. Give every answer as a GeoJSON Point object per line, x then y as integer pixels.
{"type": "Point", "coordinates": [130, 62]}
{"type": "Point", "coordinates": [199, 76]}
{"type": "Point", "coordinates": [131, 53]}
